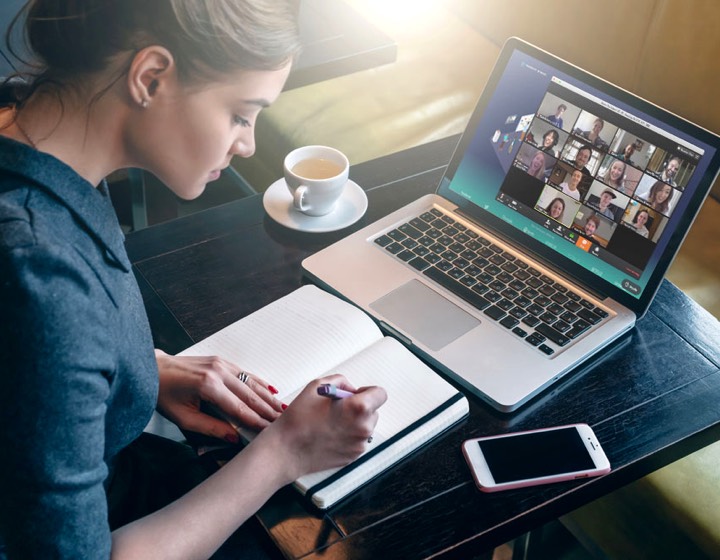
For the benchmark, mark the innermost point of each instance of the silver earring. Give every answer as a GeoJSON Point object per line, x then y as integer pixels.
{"type": "Point", "coordinates": [144, 103]}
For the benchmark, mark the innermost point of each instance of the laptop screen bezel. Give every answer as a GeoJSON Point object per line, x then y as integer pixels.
{"type": "Point", "coordinates": [554, 259]}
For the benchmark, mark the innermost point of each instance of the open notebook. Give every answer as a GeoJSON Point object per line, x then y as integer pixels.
{"type": "Point", "coordinates": [310, 333]}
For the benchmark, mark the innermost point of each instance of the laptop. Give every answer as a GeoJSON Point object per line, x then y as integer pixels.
{"type": "Point", "coordinates": [562, 207]}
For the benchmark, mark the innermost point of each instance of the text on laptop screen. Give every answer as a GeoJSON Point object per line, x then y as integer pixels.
{"type": "Point", "coordinates": [581, 172]}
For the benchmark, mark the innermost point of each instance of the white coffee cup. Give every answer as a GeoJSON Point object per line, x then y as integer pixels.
{"type": "Point", "coordinates": [316, 177]}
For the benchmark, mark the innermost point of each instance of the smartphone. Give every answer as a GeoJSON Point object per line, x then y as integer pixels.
{"type": "Point", "coordinates": [535, 457]}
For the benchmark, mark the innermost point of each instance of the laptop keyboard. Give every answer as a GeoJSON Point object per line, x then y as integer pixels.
{"type": "Point", "coordinates": [505, 288]}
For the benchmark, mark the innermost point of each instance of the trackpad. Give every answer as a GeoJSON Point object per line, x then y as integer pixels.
{"type": "Point", "coordinates": [424, 315]}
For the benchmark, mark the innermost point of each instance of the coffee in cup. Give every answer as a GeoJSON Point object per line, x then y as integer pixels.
{"type": "Point", "coordinates": [316, 177]}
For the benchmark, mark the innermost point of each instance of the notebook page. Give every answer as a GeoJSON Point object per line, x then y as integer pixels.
{"type": "Point", "coordinates": [413, 391]}
{"type": "Point", "coordinates": [294, 339]}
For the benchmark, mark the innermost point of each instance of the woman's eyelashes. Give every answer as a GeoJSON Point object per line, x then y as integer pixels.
{"type": "Point", "coordinates": [242, 121]}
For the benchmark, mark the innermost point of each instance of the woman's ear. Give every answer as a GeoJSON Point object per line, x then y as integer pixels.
{"type": "Point", "coordinates": [152, 70]}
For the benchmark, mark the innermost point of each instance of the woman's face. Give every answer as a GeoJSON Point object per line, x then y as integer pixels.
{"type": "Point", "coordinates": [662, 194]}
{"type": "Point", "coordinates": [641, 218]}
{"type": "Point", "coordinates": [575, 179]}
{"type": "Point", "coordinates": [556, 209]}
{"type": "Point", "coordinates": [616, 171]}
{"type": "Point", "coordinates": [548, 139]}
{"type": "Point", "coordinates": [537, 162]}
{"type": "Point", "coordinates": [597, 126]}
{"type": "Point", "coordinates": [590, 228]}
{"type": "Point", "coordinates": [187, 136]}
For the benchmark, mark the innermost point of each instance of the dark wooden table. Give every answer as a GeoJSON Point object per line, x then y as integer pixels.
{"type": "Point", "coordinates": [651, 399]}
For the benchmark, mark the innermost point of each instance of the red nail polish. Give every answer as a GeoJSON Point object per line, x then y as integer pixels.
{"type": "Point", "coordinates": [232, 438]}
{"type": "Point", "coordinates": [273, 390]}
{"type": "Point", "coordinates": [284, 406]}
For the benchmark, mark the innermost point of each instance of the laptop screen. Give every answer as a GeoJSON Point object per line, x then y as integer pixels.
{"type": "Point", "coordinates": [582, 172]}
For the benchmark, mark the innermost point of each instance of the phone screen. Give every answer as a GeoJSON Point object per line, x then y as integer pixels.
{"type": "Point", "coordinates": [536, 455]}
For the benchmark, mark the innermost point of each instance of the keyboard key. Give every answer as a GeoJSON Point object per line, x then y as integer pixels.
{"type": "Point", "coordinates": [542, 301]}
{"type": "Point", "coordinates": [480, 288]}
{"type": "Point", "coordinates": [457, 247]}
{"type": "Point", "coordinates": [561, 326]}
{"type": "Point", "coordinates": [496, 248]}
{"type": "Point", "coordinates": [577, 329]}
{"type": "Point", "coordinates": [530, 320]}
{"type": "Point", "coordinates": [426, 241]}
{"type": "Point", "coordinates": [509, 322]}
{"type": "Point", "coordinates": [545, 278]}
{"type": "Point", "coordinates": [449, 255]}
{"type": "Point", "coordinates": [559, 287]}
{"type": "Point", "coordinates": [410, 231]}
{"type": "Point", "coordinates": [518, 312]}
{"type": "Point", "coordinates": [451, 231]}
{"type": "Point", "coordinates": [504, 304]}
{"type": "Point", "coordinates": [468, 281]}
{"type": "Point", "coordinates": [419, 263]}
{"type": "Point", "coordinates": [553, 335]}
{"type": "Point", "coordinates": [394, 247]}
{"type": "Point", "coordinates": [421, 251]}
{"type": "Point", "coordinates": [445, 240]}
{"type": "Point", "coordinates": [545, 349]}
{"type": "Point", "coordinates": [462, 238]}
{"type": "Point", "coordinates": [406, 255]}
{"type": "Point", "coordinates": [444, 265]}
{"type": "Point", "coordinates": [572, 306]}
{"type": "Point", "coordinates": [536, 310]}
{"type": "Point", "coordinates": [383, 240]}
{"type": "Point", "coordinates": [409, 243]}
{"type": "Point", "coordinates": [451, 285]}
{"type": "Point", "coordinates": [559, 297]}
{"type": "Point", "coordinates": [535, 339]}
{"type": "Point", "coordinates": [419, 224]}
{"type": "Point", "coordinates": [433, 258]}
{"type": "Point", "coordinates": [589, 316]}
{"type": "Point", "coordinates": [461, 263]}
{"type": "Point", "coordinates": [396, 234]}
{"type": "Point", "coordinates": [455, 273]}
{"type": "Point", "coordinates": [427, 217]}
{"type": "Point", "coordinates": [518, 331]}
{"type": "Point", "coordinates": [469, 255]}
{"type": "Point", "coordinates": [521, 275]}
{"type": "Point", "coordinates": [433, 233]}
{"type": "Point", "coordinates": [494, 313]}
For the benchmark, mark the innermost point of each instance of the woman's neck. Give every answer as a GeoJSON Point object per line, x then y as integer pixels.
{"type": "Point", "coordinates": [82, 135]}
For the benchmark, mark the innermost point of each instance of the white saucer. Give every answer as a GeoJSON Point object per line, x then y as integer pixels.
{"type": "Point", "coordinates": [277, 201]}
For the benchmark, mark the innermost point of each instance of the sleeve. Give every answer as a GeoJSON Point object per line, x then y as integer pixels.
{"type": "Point", "coordinates": [54, 387]}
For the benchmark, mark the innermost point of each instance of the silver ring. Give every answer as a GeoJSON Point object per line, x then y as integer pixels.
{"type": "Point", "coordinates": [243, 377]}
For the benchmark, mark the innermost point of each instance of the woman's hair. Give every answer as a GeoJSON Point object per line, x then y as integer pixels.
{"type": "Point", "coordinates": [71, 40]}
{"type": "Point", "coordinates": [540, 172]}
{"type": "Point", "coordinates": [555, 136]}
{"type": "Point", "coordinates": [661, 207]}
{"type": "Point", "coordinates": [635, 218]}
{"type": "Point", "coordinates": [607, 177]}
{"type": "Point", "coordinates": [553, 201]}
{"type": "Point", "coordinates": [594, 219]}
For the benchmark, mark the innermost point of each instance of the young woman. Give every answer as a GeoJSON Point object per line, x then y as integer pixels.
{"type": "Point", "coordinates": [174, 87]}
{"type": "Point", "coordinates": [659, 197]}
{"type": "Point", "coordinates": [638, 222]}
{"type": "Point", "coordinates": [556, 208]}
{"type": "Point", "coordinates": [549, 141]}
{"type": "Point", "coordinates": [614, 175]}
{"type": "Point", "coordinates": [537, 166]}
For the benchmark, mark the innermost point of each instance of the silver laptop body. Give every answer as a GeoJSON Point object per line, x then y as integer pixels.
{"type": "Point", "coordinates": [485, 279]}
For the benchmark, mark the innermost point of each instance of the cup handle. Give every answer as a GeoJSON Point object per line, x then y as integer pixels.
{"type": "Point", "coordinates": [299, 198]}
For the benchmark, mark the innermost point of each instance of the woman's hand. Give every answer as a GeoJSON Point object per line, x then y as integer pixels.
{"type": "Point", "coordinates": [187, 381]}
{"type": "Point", "coordinates": [316, 433]}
